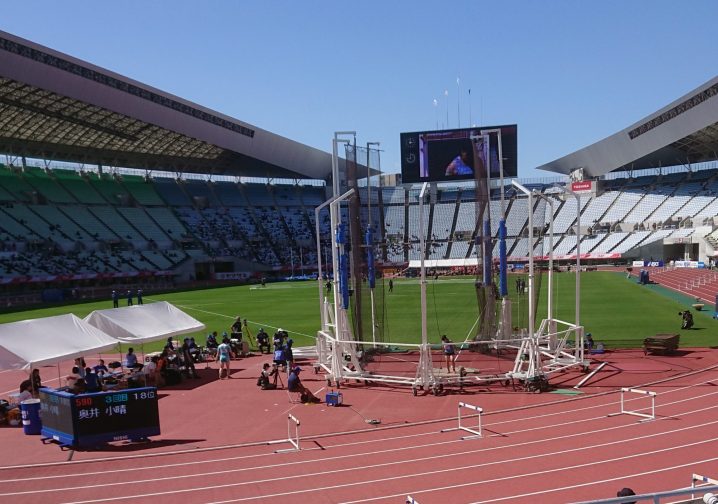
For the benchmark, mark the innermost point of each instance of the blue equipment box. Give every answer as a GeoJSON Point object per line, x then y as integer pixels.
{"type": "Point", "coordinates": [334, 398]}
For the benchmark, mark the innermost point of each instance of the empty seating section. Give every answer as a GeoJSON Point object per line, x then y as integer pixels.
{"type": "Point", "coordinates": [459, 249]}
{"type": "Point", "coordinates": [157, 258]}
{"type": "Point", "coordinates": [566, 215]}
{"type": "Point", "coordinates": [495, 213]}
{"type": "Point", "coordinates": [26, 217]}
{"type": "Point", "coordinates": [108, 187]}
{"type": "Point", "coordinates": [124, 230]}
{"type": "Point", "coordinates": [443, 217]}
{"type": "Point", "coordinates": [146, 226]}
{"type": "Point", "coordinates": [94, 226]}
{"type": "Point", "coordinates": [517, 217]}
{"type": "Point", "coordinates": [625, 202]}
{"type": "Point", "coordinates": [48, 187]}
{"type": "Point", "coordinates": [14, 229]}
{"type": "Point", "coordinates": [709, 211]}
{"type": "Point", "coordinates": [286, 196]}
{"type": "Point", "coordinates": [15, 185]}
{"type": "Point", "coordinates": [466, 219]}
{"type": "Point", "coordinates": [69, 227]}
{"type": "Point", "coordinates": [633, 240]}
{"type": "Point", "coordinates": [644, 208]}
{"type": "Point", "coordinates": [608, 243]}
{"type": "Point", "coordinates": [437, 250]}
{"type": "Point", "coordinates": [79, 187]}
{"type": "Point", "coordinates": [229, 194]}
{"type": "Point", "coordinates": [312, 196]}
{"type": "Point", "coordinates": [201, 192]}
{"type": "Point", "coordinates": [393, 195]}
{"type": "Point", "coordinates": [172, 192]}
{"type": "Point", "coordinates": [414, 229]}
{"type": "Point", "coordinates": [258, 195]}
{"type": "Point", "coordinates": [394, 220]}
{"type": "Point", "coordinates": [566, 246]}
{"type": "Point", "coordinates": [167, 220]}
{"type": "Point", "coordinates": [521, 248]}
{"type": "Point", "coordinates": [541, 216]}
{"type": "Point", "coordinates": [142, 191]}
{"type": "Point", "coordinates": [597, 207]}
{"type": "Point", "coordinates": [669, 208]}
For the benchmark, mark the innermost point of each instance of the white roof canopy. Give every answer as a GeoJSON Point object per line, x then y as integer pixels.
{"type": "Point", "coordinates": [144, 323]}
{"type": "Point", "coordinates": [32, 343]}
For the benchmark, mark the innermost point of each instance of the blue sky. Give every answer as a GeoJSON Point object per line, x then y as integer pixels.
{"type": "Point", "coordinates": [567, 72]}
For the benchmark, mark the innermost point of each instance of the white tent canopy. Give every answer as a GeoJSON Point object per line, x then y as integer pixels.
{"type": "Point", "coordinates": [38, 342]}
{"type": "Point", "coordinates": [144, 323]}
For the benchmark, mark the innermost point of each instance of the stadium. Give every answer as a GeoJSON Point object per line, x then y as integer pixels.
{"type": "Point", "coordinates": [110, 186]}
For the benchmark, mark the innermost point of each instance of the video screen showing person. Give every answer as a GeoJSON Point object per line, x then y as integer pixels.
{"type": "Point", "coordinates": [462, 154]}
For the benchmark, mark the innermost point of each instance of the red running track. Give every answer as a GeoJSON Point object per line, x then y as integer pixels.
{"type": "Point", "coordinates": [563, 451]}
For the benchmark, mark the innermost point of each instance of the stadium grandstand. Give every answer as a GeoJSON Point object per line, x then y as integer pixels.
{"type": "Point", "coordinates": [107, 182]}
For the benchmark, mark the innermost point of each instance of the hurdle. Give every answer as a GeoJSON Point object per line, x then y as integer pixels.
{"type": "Point", "coordinates": [475, 432]}
{"type": "Point", "coordinates": [645, 416]}
{"type": "Point", "coordinates": [701, 481]}
{"type": "Point", "coordinates": [292, 440]}
{"type": "Point", "coordinates": [411, 500]}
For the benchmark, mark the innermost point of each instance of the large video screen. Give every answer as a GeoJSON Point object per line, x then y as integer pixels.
{"type": "Point", "coordinates": [459, 154]}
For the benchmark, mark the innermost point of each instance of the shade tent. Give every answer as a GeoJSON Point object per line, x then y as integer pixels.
{"type": "Point", "coordinates": [144, 323]}
{"type": "Point", "coordinates": [39, 342]}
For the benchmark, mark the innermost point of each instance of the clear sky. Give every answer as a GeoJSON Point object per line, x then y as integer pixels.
{"type": "Point", "coordinates": [567, 72]}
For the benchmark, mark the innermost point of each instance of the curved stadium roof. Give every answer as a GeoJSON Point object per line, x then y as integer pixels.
{"type": "Point", "coordinates": [54, 106]}
{"type": "Point", "coordinates": [683, 132]}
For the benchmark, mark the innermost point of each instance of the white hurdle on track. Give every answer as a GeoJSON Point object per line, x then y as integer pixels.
{"type": "Point", "coordinates": [475, 432]}
{"type": "Point", "coordinates": [292, 440]}
{"type": "Point", "coordinates": [411, 500]}
{"type": "Point", "coordinates": [644, 416]}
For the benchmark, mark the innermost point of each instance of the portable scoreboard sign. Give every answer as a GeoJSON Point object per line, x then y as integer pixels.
{"type": "Point", "coordinates": [94, 419]}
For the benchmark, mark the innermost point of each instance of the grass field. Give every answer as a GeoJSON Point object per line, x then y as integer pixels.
{"type": "Point", "coordinates": [617, 311]}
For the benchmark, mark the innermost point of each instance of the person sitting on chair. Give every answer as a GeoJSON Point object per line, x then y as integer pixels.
{"type": "Point", "coordinates": [25, 391]}
{"type": "Point", "coordinates": [73, 377]}
{"type": "Point", "coordinates": [262, 341]}
{"type": "Point", "coordinates": [267, 373]}
{"type": "Point", "coordinates": [130, 358]}
{"type": "Point", "coordinates": [294, 384]}
{"type": "Point", "coordinates": [92, 381]}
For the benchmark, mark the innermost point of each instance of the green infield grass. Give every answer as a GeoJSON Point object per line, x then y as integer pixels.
{"type": "Point", "coordinates": [616, 310]}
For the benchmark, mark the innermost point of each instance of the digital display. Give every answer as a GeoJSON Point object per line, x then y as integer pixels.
{"type": "Point", "coordinates": [459, 154]}
{"type": "Point", "coordinates": [89, 419]}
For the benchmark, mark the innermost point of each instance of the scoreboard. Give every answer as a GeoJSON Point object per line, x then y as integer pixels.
{"type": "Point", "coordinates": [97, 418]}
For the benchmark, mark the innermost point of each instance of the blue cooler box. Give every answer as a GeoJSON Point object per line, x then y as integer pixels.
{"type": "Point", "coordinates": [334, 398]}
{"type": "Point", "coordinates": [31, 423]}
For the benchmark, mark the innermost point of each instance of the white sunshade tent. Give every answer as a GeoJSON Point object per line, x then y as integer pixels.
{"type": "Point", "coordinates": [144, 323]}
{"type": "Point", "coordinates": [28, 344]}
